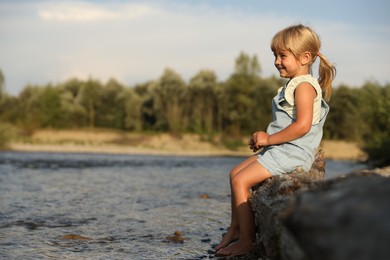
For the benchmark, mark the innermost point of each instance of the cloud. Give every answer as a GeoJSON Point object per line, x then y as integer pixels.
{"type": "Point", "coordinates": [182, 38]}
{"type": "Point", "coordinates": [52, 41]}
{"type": "Point", "coordinates": [88, 12]}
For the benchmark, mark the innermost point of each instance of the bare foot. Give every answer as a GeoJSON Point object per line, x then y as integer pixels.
{"type": "Point", "coordinates": [231, 236]}
{"type": "Point", "coordinates": [240, 247]}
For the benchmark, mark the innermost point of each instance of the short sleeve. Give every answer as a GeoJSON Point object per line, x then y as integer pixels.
{"type": "Point", "coordinates": [293, 84]}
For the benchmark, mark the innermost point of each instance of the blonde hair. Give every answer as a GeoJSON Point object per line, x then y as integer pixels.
{"type": "Point", "coordinates": [299, 39]}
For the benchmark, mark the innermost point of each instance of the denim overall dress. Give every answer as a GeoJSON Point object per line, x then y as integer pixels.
{"type": "Point", "coordinates": [286, 157]}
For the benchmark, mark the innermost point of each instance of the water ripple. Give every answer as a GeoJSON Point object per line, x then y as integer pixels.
{"type": "Point", "coordinates": [98, 206]}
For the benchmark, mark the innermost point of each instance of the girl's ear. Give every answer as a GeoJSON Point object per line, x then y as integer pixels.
{"type": "Point", "coordinates": [305, 58]}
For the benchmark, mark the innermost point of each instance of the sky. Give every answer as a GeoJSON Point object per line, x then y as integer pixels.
{"type": "Point", "coordinates": [44, 42]}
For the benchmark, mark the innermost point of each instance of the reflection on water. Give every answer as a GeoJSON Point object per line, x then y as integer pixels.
{"type": "Point", "coordinates": [98, 206]}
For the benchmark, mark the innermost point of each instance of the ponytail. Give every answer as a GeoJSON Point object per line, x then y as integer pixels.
{"type": "Point", "coordinates": [327, 72]}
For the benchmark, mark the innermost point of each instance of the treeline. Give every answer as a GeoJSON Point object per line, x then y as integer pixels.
{"type": "Point", "coordinates": [235, 107]}
{"type": "Point", "coordinates": [362, 115]}
{"type": "Point", "coordinates": [203, 105]}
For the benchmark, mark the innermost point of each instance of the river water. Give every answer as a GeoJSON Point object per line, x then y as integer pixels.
{"type": "Point", "coordinates": [100, 206]}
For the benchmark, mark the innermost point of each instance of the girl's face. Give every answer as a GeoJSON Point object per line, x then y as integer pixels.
{"type": "Point", "coordinates": [288, 66]}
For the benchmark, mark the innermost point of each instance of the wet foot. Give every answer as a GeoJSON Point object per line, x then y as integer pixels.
{"type": "Point", "coordinates": [230, 237]}
{"type": "Point", "coordinates": [238, 248]}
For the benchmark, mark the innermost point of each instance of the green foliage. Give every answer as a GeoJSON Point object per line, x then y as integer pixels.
{"type": "Point", "coordinates": [246, 65]}
{"type": "Point", "coordinates": [240, 105]}
{"type": "Point", "coordinates": [110, 105]}
{"type": "Point", "coordinates": [4, 136]}
{"type": "Point", "coordinates": [144, 106]}
{"type": "Point", "coordinates": [9, 109]}
{"type": "Point", "coordinates": [344, 121]}
{"type": "Point", "coordinates": [88, 98]}
{"type": "Point", "coordinates": [362, 115]}
{"type": "Point", "coordinates": [201, 91]}
{"type": "Point", "coordinates": [2, 80]}
{"type": "Point", "coordinates": [7, 133]}
{"type": "Point", "coordinates": [230, 109]}
{"type": "Point", "coordinates": [377, 109]}
{"type": "Point", "coordinates": [49, 107]}
{"type": "Point", "coordinates": [74, 113]}
{"type": "Point", "coordinates": [29, 118]}
{"type": "Point", "coordinates": [170, 102]}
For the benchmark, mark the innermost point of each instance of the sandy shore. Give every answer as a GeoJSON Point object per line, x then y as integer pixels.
{"type": "Point", "coordinates": [98, 141]}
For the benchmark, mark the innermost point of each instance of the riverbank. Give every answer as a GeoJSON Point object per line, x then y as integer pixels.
{"type": "Point", "coordinates": [117, 142]}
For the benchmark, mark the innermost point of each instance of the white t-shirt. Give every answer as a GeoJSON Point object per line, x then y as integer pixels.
{"type": "Point", "coordinates": [289, 89]}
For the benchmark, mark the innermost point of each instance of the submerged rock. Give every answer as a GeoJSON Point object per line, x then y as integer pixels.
{"type": "Point", "coordinates": [75, 237]}
{"type": "Point", "coordinates": [175, 238]}
{"type": "Point", "coordinates": [299, 216]}
{"type": "Point", "coordinates": [204, 196]}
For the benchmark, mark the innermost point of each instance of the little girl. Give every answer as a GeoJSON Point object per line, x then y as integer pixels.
{"type": "Point", "coordinates": [298, 112]}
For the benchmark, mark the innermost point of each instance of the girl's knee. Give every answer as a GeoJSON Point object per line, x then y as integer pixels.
{"type": "Point", "coordinates": [236, 181]}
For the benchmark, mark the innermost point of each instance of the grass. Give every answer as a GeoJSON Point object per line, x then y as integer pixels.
{"type": "Point", "coordinates": [97, 140]}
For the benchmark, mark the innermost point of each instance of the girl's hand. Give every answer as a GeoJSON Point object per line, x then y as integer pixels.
{"type": "Point", "coordinates": [258, 140]}
{"type": "Point", "coordinates": [252, 145]}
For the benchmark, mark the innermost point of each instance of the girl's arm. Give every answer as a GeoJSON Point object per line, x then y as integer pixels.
{"type": "Point", "coordinates": [304, 101]}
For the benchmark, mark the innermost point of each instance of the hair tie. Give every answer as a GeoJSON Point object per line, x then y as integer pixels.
{"type": "Point", "coordinates": [318, 53]}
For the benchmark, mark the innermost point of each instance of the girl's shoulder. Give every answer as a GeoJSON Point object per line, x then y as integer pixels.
{"type": "Point", "coordinates": [294, 83]}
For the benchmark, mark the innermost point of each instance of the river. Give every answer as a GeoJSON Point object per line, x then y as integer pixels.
{"type": "Point", "coordinates": [102, 206]}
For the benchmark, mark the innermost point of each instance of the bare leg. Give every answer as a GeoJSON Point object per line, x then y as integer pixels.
{"type": "Point", "coordinates": [241, 182]}
{"type": "Point", "coordinates": [233, 232]}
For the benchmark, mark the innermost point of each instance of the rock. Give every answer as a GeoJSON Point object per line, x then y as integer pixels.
{"type": "Point", "coordinates": [75, 237]}
{"type": "Point", "coordinates": [347, 218]}
{"type": "Point", "coordinates": [301, 216]}
{"type": "Point", "coordinates": [175, 238]}
{"type": "Point", "coordinates": [273, 198]}
{"type": "Point", "coordinates": [385, 171]}
{"type": "Point", "coordinates": [204, 196]}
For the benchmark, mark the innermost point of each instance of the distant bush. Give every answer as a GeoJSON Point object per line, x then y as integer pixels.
{"type": "Point", "coordinates": [5, 135]}
{"type": "Point", "coordinates": [379, 152]}
{"type": "Point", "coordinates": [362, 115]}
{"type": "Point", "coordinates": [376, 138]}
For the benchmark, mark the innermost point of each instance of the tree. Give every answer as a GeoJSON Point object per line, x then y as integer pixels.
{"type": "Point", "coordinates": [203, 100]}
{"type": "Point", "coordinates": [29, 108]}
{"type": "Point", "coordinates": [344, 120]}
{"type": "Point", "coordinates": [262, 96]}
{"type": "Point", "coordinates": [169, 97]}
{"type": "Point", "coordinates": [375, 109]}
{"type": "Point", "coordinates": [145, 97]}
{"type": "Point", "coordinates": [133, 110]}
{"type": "Point", "coordinates": [222, 106]}
{"type": "Point", "coordinates": [110, 105]}
{"type": "Point", "coordinates": [73, 86]}
{"type": "Point", "coordinates": [73, 113]}
{"type": "Point", "coordinates": [246, 65]}
{"type": "Point", "coordinates": [88, 97]}
{"type": "Point", "coordinates": [9, 109]}
{"type": "Point", "coordinates": [2, 82]}
{"type": "Point", "coordinates": [50, 107]}
{"type": "Point", "coordinates": [240, 88]}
